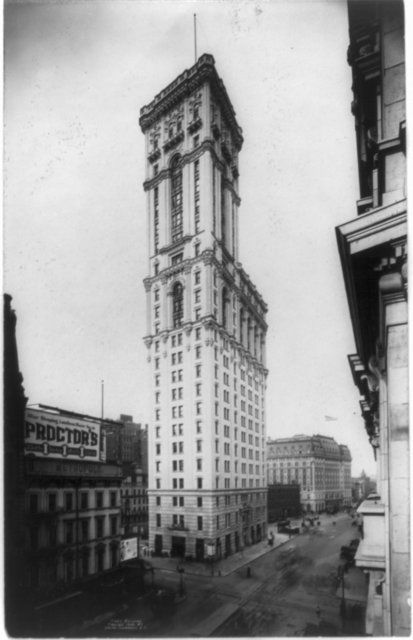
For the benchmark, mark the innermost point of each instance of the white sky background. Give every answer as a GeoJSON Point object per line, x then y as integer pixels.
{"type": "Point", "coordinates": [76, 75]}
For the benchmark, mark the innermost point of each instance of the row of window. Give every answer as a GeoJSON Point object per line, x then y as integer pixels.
{"type": "Point", "coordinates": [69, 501]}
{"type": "Point", "coordinates": [69, 532]}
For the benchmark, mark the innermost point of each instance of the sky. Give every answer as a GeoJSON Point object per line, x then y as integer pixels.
{"type": "Point", "coordinates": [76, 75]}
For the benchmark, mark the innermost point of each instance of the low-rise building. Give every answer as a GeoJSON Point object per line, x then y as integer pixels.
{"type": "Point", "coordinates": [283, 501]}
{"type": "Point", "coordinates": [72, 500]}
{"type": "Point", "coordinates": [320, 466]}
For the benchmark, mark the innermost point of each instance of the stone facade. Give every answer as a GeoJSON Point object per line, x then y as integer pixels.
{"type": "Point", "coordinates": [205, 327]}
{"type": "Point", "coordinates": [320, 466]}
{"type": "Point", "coordinates": [373, 251]}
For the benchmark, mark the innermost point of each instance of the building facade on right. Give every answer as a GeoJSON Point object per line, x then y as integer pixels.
{"type": "Point", "coordinates": [373, 251]}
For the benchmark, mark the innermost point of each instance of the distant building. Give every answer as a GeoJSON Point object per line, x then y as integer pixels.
{"type": "Point", "coordinates": [127, 445]}
{"type": "Point", "coordinates": [134, 496]}
{"type": "Point", "coordinates": [320, 466]}
{"type": "Point", "coordinates": [362, 487]}
{"type": "Point", "coordinates": [373, 252]}
{"type": "Point", "coordinates": [127, 441]}
{"type": "Point", "coordinates": [283, 501]}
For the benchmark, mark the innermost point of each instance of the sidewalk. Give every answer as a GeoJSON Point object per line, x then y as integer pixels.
{"type": "Point", "coordinates": [225, 566]}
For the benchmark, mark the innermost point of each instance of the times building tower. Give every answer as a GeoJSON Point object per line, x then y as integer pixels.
{"type": "Point", "coordinates": [205, 328]}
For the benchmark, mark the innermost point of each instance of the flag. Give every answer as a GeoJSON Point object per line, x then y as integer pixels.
{"type": "Point", "coordinates": [330, 419]}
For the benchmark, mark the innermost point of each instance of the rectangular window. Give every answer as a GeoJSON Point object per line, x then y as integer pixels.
{"type": "Point", "coordinates": [113, 525]}
{"type": "Point", "coordinates": [33, 502]}
{"type": "Point", "coordinates": [177, 258]}
{"type": "Point", "coordinates": [197, 277]}
{"type": "Point", "coordinates": [69, 501]}
{"type": "Point", "coordinates": [69, 531]}
{"type": "Point", "coordinates": [52, 502]}
{"type": "Point", "coordinates": [200, 525]}
{"type": "Point", "coordinates": [199, 501]}
{"type": "Point", "coordinates": [199, 483]}
{"type": "Point", "coordinates": [84, 500]}
{"type": "Point", "coordinates": [158, 501]}
{"type": "Point", "coordinates": [158, 519]}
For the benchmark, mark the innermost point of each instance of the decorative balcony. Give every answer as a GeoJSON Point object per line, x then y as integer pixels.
{"type": "Point", "coordinates": [194, 125]}
{"type": "Point", "coordinates": [156, 153]}
{"type": "Point", "coordinates": [172, 142]}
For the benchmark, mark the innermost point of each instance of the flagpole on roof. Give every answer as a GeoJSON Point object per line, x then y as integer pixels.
{"type": "Point", "coordinates": [196, 56]}
{"type": "Point", "coordinates": [102, 382]}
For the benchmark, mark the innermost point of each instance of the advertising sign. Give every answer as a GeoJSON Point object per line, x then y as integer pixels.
{"type": "Point", "coordinates": [50, 435]}
{"type": "Point", "coordinates": [128, 549]}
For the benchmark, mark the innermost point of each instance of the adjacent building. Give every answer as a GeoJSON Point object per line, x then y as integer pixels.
{"type": "Point", "coordinates": [72, 500]}
{"type": "Point", "coordinates": [320, 466]}
{"type": "Point", "coordinates": [362, 487]}
{"type": "Point", "coordinates": [205, 327]}
{"type": "Point", "coordinates": [14, 405]}
{"type": "Point", "coordinates": [373, 251]}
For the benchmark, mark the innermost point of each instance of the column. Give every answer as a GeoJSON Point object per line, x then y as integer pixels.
{"type": "Point", "coordinates": [188, 198]}
{"type": "Point", "coordinates": [188, 295]}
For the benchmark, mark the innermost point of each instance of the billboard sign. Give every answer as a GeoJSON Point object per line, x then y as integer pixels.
{"type": "Point", "coordinates": [128, 549]}
{"type": "Point", "coordinates": [51, 435]}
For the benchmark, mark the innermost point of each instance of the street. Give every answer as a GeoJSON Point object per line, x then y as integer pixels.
{"type": "Point", "coordinates": [292, 590]}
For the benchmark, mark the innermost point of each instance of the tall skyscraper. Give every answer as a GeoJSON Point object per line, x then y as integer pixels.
{"type": "Point", "coordinates": [205, 327]}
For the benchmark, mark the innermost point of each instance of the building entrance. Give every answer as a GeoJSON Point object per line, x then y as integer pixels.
{"type": "Point", "coordinates": [158, 544]}
{"type": "Point", "coordinates": [178, 546]}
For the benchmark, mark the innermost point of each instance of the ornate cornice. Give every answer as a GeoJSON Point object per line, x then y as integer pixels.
{"type": "Point", "coordinates": [202, 71]}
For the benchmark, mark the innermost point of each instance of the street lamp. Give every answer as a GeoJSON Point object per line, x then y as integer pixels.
{"type": "Point", "coordinates": [343, 601]}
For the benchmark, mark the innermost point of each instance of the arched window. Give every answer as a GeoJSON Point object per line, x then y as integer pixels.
{"type": "Point", "coordinates": [177, 305]}
{"type": "Point", "coordinates": [224, 308]}
{"type": "Point", "coordinates": [176, 200]}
